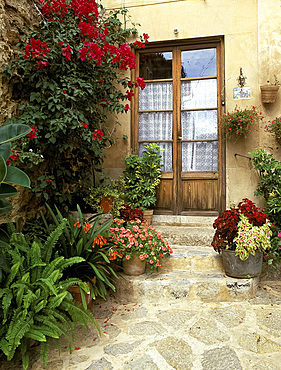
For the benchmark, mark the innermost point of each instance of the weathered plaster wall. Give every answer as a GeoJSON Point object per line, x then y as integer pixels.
{"type": "Point", "coordinates": [252, 41]}
{"type": "Point", "coordinates": [14, 15]}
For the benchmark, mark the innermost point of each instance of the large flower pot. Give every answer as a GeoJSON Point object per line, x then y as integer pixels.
{"type": "Point", "coordinates": [134, 266]}
{"type": "Point", "coordinates": [235, 267]}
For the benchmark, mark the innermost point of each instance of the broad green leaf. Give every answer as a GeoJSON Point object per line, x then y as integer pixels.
{"type": "Point", "coordinates": [17, 177]}
{"type": "Point", "coordinates": [7, 190]}
{"type": "Point", "coordinates": [3, 169]}
{"type": "Point", "coordinates": [5, 151]}
{"type": "Point", "coordinates": [5, 206]}
{"type": "Point", "coordinates": [13, 132]}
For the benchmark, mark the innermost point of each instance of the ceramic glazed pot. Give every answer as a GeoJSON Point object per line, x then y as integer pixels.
{"type": "Point", "coordinates": [235, 267]}
{"type": "Point", "coordinates": [134, 266]}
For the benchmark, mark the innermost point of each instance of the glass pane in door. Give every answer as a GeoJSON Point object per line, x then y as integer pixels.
{"type": "Point", "coordinates": [198, 63]}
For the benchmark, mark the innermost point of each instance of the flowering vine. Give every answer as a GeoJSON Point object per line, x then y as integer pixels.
{"type": "Point", "coordinates": [70, 69]}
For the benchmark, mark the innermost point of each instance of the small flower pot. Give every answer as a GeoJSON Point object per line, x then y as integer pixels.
{"type": "Point", "coordinates": [235, 267]}
{"type": "Point", "coordinates": [106, 204]}
{"type": "Point", "coordinates": [74, 290]}
{"type": "Point", "coordinates": [134, 266]}
{"type": "Point", "coordinates": [269, 93]}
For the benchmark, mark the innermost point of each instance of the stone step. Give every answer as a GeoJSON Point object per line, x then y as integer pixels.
{"type": "Point", "coordinates": [193, 259]}
{"type": "Point", "coordinates": [172, 286]}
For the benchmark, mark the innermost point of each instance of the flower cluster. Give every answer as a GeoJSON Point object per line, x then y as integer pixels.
{"type": "Point", "coordinates": [136, 239]}
{"type": "Point", "coordinates": [37, 50]}
{"type": "Point", "coordinates": [227, 225]}
{"type": "Point", "coordinates": [239, 122]}
{"type": "Point", "coordinates": [32, 133]}
{"type": "Point", "coordinates": [275, 128]}
{"type": "Point", "coordinates": [251, 238]}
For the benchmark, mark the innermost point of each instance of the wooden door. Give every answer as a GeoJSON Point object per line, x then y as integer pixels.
{"type": "Point", "coordinates": [179, 110]}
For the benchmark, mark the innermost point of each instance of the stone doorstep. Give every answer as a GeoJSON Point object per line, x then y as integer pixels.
{"type": "Point", "coordinates": [191, 221]}
{"type": "Point", "coordinates": [181, 285]}
{"type": "Point", "coordinates": [193, 259]}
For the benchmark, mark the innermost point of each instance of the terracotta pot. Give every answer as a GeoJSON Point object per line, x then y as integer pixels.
{"type": "Point", "coordinates": [235, 267]}
{"type": "Point", "coordinates": [74, 290]}
{"type": "Point", "coordinates": [106, 204]}
{"type": "Point", "coordinates": [269, 93]}
{"type": "Point", "coordinates": [134, 266]}
{"type": "Point", "coordinates": [147, 216]}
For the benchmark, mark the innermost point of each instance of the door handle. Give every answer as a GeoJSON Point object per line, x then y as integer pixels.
{"type": "Point", "coordinates": [181, 138]}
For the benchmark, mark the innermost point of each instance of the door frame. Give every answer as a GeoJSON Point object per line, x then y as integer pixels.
{"type": "Point", "coordinates": [218, 42]}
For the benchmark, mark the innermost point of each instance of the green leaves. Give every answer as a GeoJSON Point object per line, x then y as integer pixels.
{"type": "Point", "coordinates": [34, 303]}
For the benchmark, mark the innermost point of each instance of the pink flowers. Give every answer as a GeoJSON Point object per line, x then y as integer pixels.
{"type": "Point", "coordinates": [134, 238]}
{"type": "Point", "coordinates": [67, 53]}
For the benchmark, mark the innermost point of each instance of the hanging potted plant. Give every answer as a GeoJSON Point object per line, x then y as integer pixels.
{"type": "Point", "coordinates": [142, 176]}
{"type": "Point", "coordinates": [240, 122]}
{"type": "Point", "coordinates": [269, 91]}
{"type": "Point", "coordinates": [242, 234]}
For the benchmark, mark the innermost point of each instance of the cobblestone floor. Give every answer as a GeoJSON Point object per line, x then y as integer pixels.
{"type": "Point", "coordinates": [213, 336]}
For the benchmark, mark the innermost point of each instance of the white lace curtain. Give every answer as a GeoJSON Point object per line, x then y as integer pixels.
{"type": "Point", "coordinates": [156, 122]}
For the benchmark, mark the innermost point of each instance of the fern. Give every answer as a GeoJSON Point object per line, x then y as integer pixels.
{"type": "Point", "coordinates": [34, 302]}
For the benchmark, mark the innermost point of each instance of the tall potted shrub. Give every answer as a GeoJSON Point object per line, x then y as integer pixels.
{"type": "Point", "coordinates": [142, 177]}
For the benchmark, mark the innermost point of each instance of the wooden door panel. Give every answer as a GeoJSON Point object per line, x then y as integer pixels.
{"type": "Point", "coordinates": [165, 197]}
{"type": "Point", "coordinates": [199, 195]}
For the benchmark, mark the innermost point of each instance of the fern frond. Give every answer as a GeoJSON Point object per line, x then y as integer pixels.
{"type": "Point", "coordinates": [44, 352]}
{"type": "Point", "coordinates": [78, 314]}
{"type": "Point", "coordinates": [6, 298]}
{"type": "Point", "coordinates": [14, 270]}
{"type": "Point", "coordinates": [19, 326]}
{"type": "Point", "coordinates": [36, 334]}
{"type": "Point", "coordinates": [56, 301]}
{"type": "Point", "coordinates": [52, 240]}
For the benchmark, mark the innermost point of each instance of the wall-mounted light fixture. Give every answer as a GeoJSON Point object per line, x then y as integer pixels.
{"type": "Point", "coordinates": [176, 30]}
{"type": "Point", "coordinates": [241, 79]}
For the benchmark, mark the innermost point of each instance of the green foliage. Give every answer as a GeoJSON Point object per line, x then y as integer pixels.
{"type": "Point", "coordinates": [66, 100]}
{"type": "Point", "coordinates": [269, 186]}
{"type": "Point", "coordinates": [8, 174]}
{"type": "Point", "coordinates": [85, 239]}
{"type": "Point", "coordinates": [275, 127]}
{"type": "Point", "coordinates": [34, 302]}
{"type": "Point", "coordinates": [110, 188]}
{"type": "Point", "coordinates": [142, 176]}
{"type": "Point", "coordinates": [251, 238]}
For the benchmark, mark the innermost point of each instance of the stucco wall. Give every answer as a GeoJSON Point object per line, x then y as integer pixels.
{"type": "Point", "coordinates": [252, 41]}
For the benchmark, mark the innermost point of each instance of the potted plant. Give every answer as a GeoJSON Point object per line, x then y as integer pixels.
{"type": "Point", "coordinates": [269, 91]}
{"type": "Point", "coordinates": [137, 244]}
{"type": "Point", "coordinates": [108, 197]}
{"type": "Point", "coordinates": [88, 240]}
{"type": "Point", "coordinates": [142, 176]}
{"type": "Point", "coordinates": [242, 235]}
{"type": "Point", "coordinates": [240, 121]}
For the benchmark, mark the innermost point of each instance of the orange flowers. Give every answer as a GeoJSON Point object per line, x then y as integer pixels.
{"type": "Point", "coordinates": [99, 240]}
{"type": "Point", "coordinates": [86, 226]}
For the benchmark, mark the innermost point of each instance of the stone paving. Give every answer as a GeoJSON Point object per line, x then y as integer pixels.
{"type": "Point", "coordinates": [150, 330]}
{"type": "Point", "coordinates": [209, 336]}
